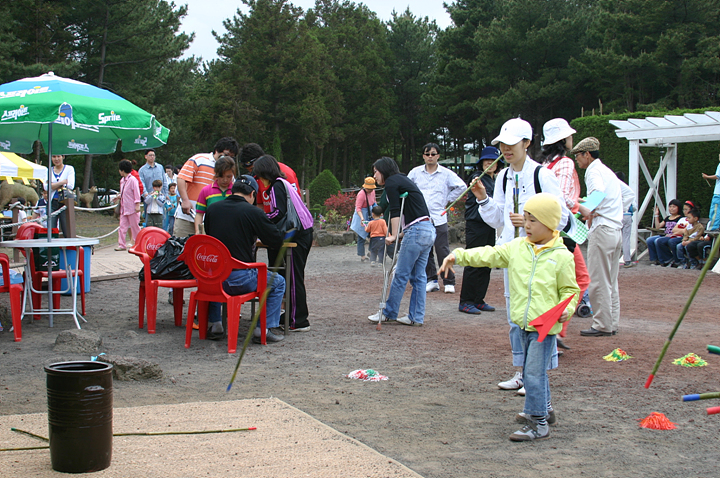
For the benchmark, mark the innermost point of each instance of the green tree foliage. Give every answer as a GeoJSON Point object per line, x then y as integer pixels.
{"type": "Point", "coordinates": [323, 186]}
{"type": "Point", "coordinates": [643, 55]}
{"type": "Point", "coordinates": [412, 42]}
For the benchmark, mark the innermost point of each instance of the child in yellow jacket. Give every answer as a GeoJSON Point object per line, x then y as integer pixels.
{"type": "Point", "coordinates": [542, 274]}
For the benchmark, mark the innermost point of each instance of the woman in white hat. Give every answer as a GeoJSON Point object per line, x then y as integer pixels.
{"type": "Point", "coordinates": [525, 178]}
{"type": "Point", "coordinates": [558, 142]}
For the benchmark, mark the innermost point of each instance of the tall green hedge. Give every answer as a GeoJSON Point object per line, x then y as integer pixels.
{"type": "Point", "coordinates": [322, 187]}
{"type": "Point", "coordinates": [693, 158]}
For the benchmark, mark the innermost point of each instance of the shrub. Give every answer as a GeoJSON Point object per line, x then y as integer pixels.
{"type": "Point", "coordinates": [343, 203]}
{"type": "Point", "coordinates": [323, 186]}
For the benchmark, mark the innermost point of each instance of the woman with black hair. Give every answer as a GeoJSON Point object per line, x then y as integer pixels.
{"type": "Point", "coordinates": [554, 156]}
{"type": "Point", "coordinates": [287, 211]}
{"type": "Point", "coordinates": [418, 237]}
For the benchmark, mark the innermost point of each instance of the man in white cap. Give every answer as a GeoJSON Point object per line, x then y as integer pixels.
{"type": "Point", "coordinates": [521, 180]}
{"type": "Point", "coordinates": [440, 186]}
{"type": "Point", "coordinates": [604, 239]}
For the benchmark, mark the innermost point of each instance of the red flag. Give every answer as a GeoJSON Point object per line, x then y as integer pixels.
{"type": "Point", "coordinates": [545, 322]}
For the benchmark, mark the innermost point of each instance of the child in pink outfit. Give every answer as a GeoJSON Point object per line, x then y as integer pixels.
{"type": "Point", "coordinates": [129, 198]}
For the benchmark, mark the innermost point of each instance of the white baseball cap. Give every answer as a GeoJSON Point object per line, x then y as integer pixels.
{"type": "Point", "coordinates": [556, 130]}
{"type": "Point", "coordinates": [513, 131]}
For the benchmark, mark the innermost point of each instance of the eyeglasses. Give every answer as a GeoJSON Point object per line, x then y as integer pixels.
{"type": "Point", "coordinates": [431, 154]}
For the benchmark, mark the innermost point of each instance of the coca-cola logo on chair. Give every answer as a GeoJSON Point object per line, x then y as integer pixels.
{"type": "Point", "coordinates": [152, 246]}
{"type": "Point", "coordinates": [207, 258]}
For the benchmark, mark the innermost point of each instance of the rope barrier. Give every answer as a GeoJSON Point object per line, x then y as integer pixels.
{"type": "Point", "coordinates": [96, 209]}
{"type": "Point", "coordinates": [100, 237]}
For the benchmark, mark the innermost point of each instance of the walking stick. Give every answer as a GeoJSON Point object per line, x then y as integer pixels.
{"type": "Point", "coordinates": [684, 311]}
{"type": "Point", "coordinates": [386, 274]}
{"type": "Point", "coordinates": [472, 183]}
{"type": "Point", "coordinates": [263, 298]}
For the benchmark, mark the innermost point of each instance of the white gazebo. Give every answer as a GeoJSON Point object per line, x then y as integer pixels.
{"type": "Point", "coordinates": [665, 133]}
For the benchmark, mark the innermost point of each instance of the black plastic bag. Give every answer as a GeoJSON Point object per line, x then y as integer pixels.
{"type": "Point", "coordinates": [165, 265]}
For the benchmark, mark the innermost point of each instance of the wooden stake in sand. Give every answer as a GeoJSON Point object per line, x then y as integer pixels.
{"type": "Point", "coordinates": [682, 314]}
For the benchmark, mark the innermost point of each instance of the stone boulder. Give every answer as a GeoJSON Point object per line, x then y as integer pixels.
{"type": "Point", "coordinates": [77, 341]}
{"type": "Point", "coordinates": [324, 239]}
{"type": "Point", "coordinates": [132, 368]}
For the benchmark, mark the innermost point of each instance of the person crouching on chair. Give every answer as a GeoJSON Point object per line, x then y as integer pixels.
{"type": "Point", "coordinates": [237, 223]}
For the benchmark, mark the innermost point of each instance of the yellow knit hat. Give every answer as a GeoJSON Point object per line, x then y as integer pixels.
{"type": "Point", "coordinates": [546, 208]}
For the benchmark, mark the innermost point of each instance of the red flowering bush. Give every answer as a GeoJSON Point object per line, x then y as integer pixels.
{"type": "Point", "coordinates": [343, 203]}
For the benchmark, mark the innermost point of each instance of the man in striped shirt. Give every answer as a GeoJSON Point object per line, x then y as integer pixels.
{"type": "Point", "coordinates": [198, 172]}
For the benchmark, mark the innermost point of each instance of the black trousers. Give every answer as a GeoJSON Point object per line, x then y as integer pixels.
{"type": "Point", "coordinates": [298, 297]}
{"type": "Point", "coordinates": [476, 279]}
{"type": "Point", "coordinates": [54, 206]}
{"type": "Point", "coordinates": [442, 249]}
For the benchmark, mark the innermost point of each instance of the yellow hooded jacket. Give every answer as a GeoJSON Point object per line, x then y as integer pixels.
{"type": "Point", "coordinates": [539, 279]}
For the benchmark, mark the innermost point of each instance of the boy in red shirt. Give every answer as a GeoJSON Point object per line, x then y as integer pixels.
{"type": "Point", "coordinates": [377, 228]}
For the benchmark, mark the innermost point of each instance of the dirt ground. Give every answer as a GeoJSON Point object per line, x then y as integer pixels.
{"type": "Point", "coordinates": [440, 413]}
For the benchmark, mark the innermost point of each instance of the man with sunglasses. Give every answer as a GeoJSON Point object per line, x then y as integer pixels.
{"type": "Point", "coordinates": [439, 186]}
{"type": "Point", "coordinates": [248, 155]}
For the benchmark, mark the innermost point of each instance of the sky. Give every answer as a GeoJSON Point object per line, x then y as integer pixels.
{"type": "Point", "coordinates": [202, 18]}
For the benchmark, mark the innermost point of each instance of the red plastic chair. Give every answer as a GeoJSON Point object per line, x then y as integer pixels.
{"type": "Point", "coordinates": [28, 231]}
{"type": "Point", "coordinates": [210, 263]}
{"type": "Point", "coordinates": [147, 242]}
{"type": "Point", "coordinates": [16, 291]}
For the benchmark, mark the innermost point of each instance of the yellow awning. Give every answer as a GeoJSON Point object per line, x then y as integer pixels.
{"type": "Point", "coordinates": [13, 166]}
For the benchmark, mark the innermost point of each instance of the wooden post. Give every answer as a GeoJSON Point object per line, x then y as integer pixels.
{"type": "Point", "coordinates": [70, 215]}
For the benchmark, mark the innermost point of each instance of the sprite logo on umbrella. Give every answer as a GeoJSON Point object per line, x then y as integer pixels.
{"type": "Point", "coordinates": [84, 119]}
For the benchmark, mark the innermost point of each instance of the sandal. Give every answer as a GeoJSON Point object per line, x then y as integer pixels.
{"type": "Point", "coordinates": [364, 259]}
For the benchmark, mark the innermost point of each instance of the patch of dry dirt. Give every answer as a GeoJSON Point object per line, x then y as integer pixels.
{"type": "Point", "coordinates": [440, 413]}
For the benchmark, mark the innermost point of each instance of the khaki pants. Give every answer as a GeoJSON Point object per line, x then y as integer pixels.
{"type": "Point", "coordinates": [183, 228]}
{"type": "Point", "coordinates": [603, 261]}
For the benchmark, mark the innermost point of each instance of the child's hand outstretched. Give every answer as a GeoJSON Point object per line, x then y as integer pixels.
{"type": "Point", "coordinates": [447, 265]}
{"type": "Point", "coordinates": [563, 317]}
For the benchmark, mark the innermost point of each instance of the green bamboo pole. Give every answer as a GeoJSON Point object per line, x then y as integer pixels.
{"type": "Point", "coordinates": [684, 311]}
{"type": "Point", "coordinates": [23, 448]}
{"type": "Point", "coordinates": [288, 236]}
{"type": "Point", "coordinates": [17, 430]}
{"type": "Point", "coordinates": [194, 432]}
{"type": "Point", "coordinates": [472, 183]}
{"type": "Point", "coordinates": [516, 203]}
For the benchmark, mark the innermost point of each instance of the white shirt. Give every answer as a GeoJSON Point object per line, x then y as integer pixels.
{"type": "Point", "coordinates": [68, 172]}
{"type": "Point", "coordinates": [628, 198]}
{"type": "Point", "coordinates": [599, 177]}
{"type": "Point", "coordinates": [439, 188]}
{"type": "Point", "coordinates": [495, 211]}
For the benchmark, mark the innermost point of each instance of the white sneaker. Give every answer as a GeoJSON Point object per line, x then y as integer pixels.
{"type": "Point", "coordinates": [376, 317]}
{"type": "Point", "coordinates": [432, 286]}
{"type": "Point", "coordinates": [449, 289]}
{"type": "Point", "coordinates": [521, 391]}
{"type": "Point", "coordinates": [405, 320]}
{"type": "Point", "coordinates": [512, 384]}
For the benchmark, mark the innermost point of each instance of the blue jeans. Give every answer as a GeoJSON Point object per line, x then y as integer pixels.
{"type": "Point", "coordinates": [680, 253]}
{"type": "Point", "coordinates": [666, 248]}
{"type": "Point", "coordinates": [653, 247]}
{"type": "Point", "coordinates": [411, 262]}
{"type": "Point", "coordinates": [714, 213]}
{"type": "Point", "coordinates": [362, 240]}
{"type": "Point", "coordinates": [518, 352]}
{"type": "Point", "coordinates": [244, 281]}
{"type": "Point", "coordinates": [535, 378]}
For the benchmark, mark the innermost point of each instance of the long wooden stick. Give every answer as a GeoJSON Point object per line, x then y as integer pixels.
{"type": "Point", "coordinates": [263, 299]}
{"type": "Point", "coordinates": [684, 311]}
{"type": "Point", "coordinates": [194, 432]}
{"type": "Point", "coordinates": [472, 183]}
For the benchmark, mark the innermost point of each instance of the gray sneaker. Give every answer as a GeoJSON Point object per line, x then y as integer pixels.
{"type": "Point", "coordinates": [531, 431]}
{"type": "Point", "coordinates": [524, 418]}
{"type": "Point", "coordinates": [272, 335]}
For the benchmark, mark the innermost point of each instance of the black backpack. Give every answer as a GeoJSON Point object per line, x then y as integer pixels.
{"type": "Point", "coordinates": [538, 187]}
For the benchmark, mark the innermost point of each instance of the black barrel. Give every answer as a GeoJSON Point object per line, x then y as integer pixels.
{"type": "Point", "coordinates": [80, 415]}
